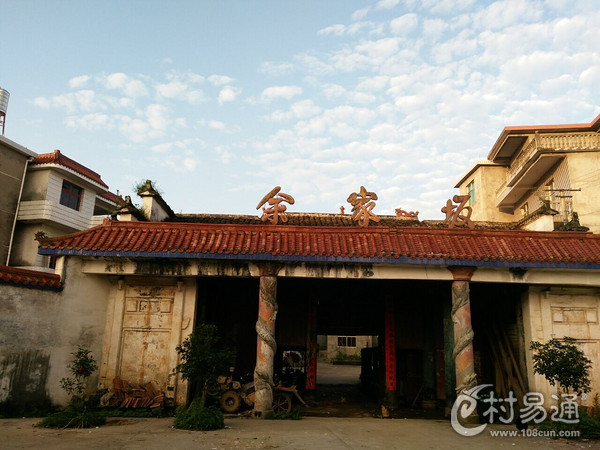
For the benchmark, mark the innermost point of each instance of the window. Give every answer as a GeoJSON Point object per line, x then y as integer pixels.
{"type": "Point", "coordinates": [346, 341]}
{"type": "Point", "coordinates": [70, 195]}
{"type": "Point", "coordinates": [471, 192]}
{"type": "Point", "coordinates": [525, 209]}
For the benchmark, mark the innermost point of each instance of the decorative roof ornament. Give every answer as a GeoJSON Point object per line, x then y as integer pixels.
{"type": "Point", "coordinates": [363, 203]}
{"type": "Point", "coordinates": [402, 213]}
{"type": "Point", "coordinates": [276, 210]}
{"type": "Point", "coordinates": [455, 215]}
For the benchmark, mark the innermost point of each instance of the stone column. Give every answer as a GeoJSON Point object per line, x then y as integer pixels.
{"type": "Point", "coordinates": [390, 400]}
{"type": "Point", "coordinates": [463, 332]}
{"type": "Point", "coordinates": [265, 342]}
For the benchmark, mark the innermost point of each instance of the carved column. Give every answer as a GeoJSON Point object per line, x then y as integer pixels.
{"type": "Point", "coordinates": [390, 354]}
{"type": "Point", "coordinates": [265, 342]}
{"type": "Point", "coordinates": [463, 332]}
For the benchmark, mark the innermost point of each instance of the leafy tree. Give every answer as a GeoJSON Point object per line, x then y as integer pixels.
{"type": "Point", "coordinates": [202, 359]}
{"type": "Point", "coordinates": [562, 362]}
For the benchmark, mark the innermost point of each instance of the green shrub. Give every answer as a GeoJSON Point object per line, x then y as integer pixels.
{"type": "Point", "coordinates": [588, 427]}
{"type": "Point", "coordinates": [198, 417]}
{"type": "Point", "coordinates": [71, 417]}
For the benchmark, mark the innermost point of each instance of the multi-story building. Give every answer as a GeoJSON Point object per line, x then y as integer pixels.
{"type": "Point", "coordinates": [13, 163]}
{"type": "Point", "coordinates": [58, 196]}
{"type": "Point", "coordinates": [539, 176]}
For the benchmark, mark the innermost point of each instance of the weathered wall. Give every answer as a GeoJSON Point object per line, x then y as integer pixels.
{"type": "Point", "coordinates": [487, 180]}
{"type": "Point", "coordinates": [333, 349]}
{"type": "Point", "coordinates": [25, 248]}
{"type": "Point", "coordinates": [584, 170]}
{"type": "Point", "coordinates": [12, 166]}
{"type": "Point", "coordinates": [558, 312]}
{"type": "Point", "coordinates": [40, 329]}
{"type": "Point", "coordinates": [147, 318]}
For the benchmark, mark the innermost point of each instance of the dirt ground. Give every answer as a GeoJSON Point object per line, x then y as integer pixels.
{"type": "Point", "coordinates": [241, 433]}
{"type": "Point", "coordinates": [339, 416]}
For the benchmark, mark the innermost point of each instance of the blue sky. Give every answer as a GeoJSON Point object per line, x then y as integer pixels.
{"type": "Point", "coordinates": [220, 101]}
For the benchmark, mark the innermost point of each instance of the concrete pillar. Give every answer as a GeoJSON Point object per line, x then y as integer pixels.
{"type": "Point", "coordinates": [265, 342]}
{"type": "Point", "coordinates": [390, 400]}
{"type": "Point", "coordinates": [463, 332]}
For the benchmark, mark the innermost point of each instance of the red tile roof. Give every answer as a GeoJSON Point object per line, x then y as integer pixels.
{"type": "Point", "coordinates": [402, 245]}
{"type": "Point", "coordinates": [56, 157]}
{"type": "Point", "coordinates": [29, 278]}
{"type": "Point", "coordinates": [117, 199]}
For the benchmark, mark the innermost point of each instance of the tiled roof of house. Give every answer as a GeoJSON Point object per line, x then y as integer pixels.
{"type": "Point", "coordinates": [325, 220]}
{"type": "Point", "coordinates": [401, 245]}
{"type": "Point", "coordinates": [114, 198]}
{"type": "Point", "coordinates": [56, 157]}
{"type": "Point", "coordinates": [29, 278]}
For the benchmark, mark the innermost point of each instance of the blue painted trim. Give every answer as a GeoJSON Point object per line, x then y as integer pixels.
{"type": "Point", "coordinates": [319, 259]}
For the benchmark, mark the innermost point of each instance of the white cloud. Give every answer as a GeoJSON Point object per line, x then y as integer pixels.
{"type": "Point", "coordinates": [180, 90]}
{"type": "Point", "coordinates": [387, 4]}
{"type": "Point", "coordinates": [335, 30]}
{"type": "Point", "coordinates": [220, 80]}
{"type": "Point", "coordinates": [82, 100]}
{"type": "Point", "coordinates": [285, 92]}
{"type": "Point", "coordinates": [126, 84]}
{"type": "Point", "coordinates": [360, 14]}
{"type": "Point", "coordinates": [94, 121]}
{"type": "Point", "coordinates": [229, 94]}
{"type": "Point", "coordinates": [216, 125]}
{"type": "Point", "coordinates": [275, 69]}
{"type": "Point", "coordinates": [79, 81]}
{"type": "Point", "coordinates": [404, 25]}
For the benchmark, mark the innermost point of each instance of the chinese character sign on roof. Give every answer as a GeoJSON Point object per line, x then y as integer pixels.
{"type": "Point", "coordinates": [457, 215]}
{"type": "Point", "coordinates": [363, 203]}
{"type": "Point", "coordinates": [276, 210]}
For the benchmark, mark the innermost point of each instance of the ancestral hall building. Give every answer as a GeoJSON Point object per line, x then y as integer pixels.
{"type": "Point", "coordinates": [454, 302]}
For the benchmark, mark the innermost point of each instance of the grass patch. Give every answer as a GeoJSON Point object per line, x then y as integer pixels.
{"type": "Point", "coordinates": [74, 418]}
{"type": "Point", "coordinates": [197, 417]}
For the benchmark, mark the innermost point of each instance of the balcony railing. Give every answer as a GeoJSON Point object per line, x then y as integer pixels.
{"type": "Point", "coordinates": [554, 142]}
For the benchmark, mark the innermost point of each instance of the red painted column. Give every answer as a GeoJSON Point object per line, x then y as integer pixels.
{"type": "Point", "coordinates": [390, 353]}
{"type": "Point", "coordinates": [463, 331]}
{"type": "Point", "coordinates": [265, 342]}
{"type": "Point", "coordinates": [312, 349]}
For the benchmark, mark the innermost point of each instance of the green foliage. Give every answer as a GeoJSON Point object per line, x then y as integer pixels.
{"type": "Point", "coordinates": [140, 186]}
{"type": "Point", "coordinates": [342, 357]}
{"type": "Point", "coordinates": [202, 359]}
{"type": "Point", "coordinates": [562, 362]}
{"type": "Point", "coordinates": [74, 417]}
{"type": "Point", "coordinates": [198, 417]}
{"type": "Point", "coordinates": [588, 427]}
{"type": "Point", "coordinates": [594, 410]}
{"type": "Point", "coordinates": [138, 412]}
{"type": "Point", "coordinates": [81, 367]}
{"type": "Point", "coordinates": [294, 414]}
